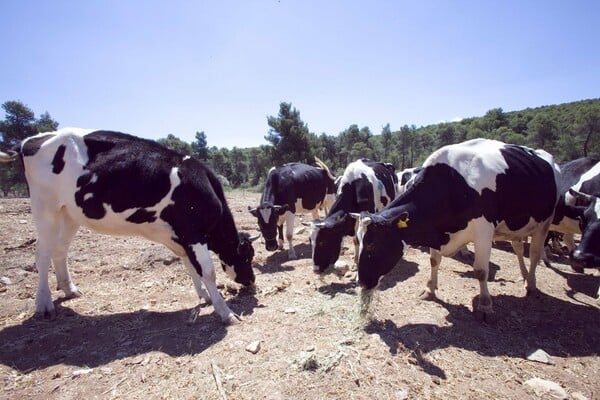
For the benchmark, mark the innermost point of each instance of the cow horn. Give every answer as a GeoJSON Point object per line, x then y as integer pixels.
{"type": "Point", "coordinates": [322, 165]}
{"type": "Point", "coordinates": [253, 238]}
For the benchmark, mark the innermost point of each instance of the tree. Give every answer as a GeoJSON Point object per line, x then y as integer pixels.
{"type": "Point", "coordinates": [200, 146]}
{"type": "Point", "coordinates": [289, 136]}
{"type": "Point", "coordinates": [588, 119]}
{"type": "Point", "coordinates": [19, 123]}
{"type": "Point", "coordinates": [386, 141]}
{"type": "Point", "coordinates": [239, 168]}
{"type": "Point", "coordinates": [174, 143]}
{"type": "Point", "coordinates": [542, 131]}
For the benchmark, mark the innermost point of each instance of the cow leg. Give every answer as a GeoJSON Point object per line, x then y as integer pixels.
{"type": "Point", "coordinates": [66, 231]}
{"type": "Point", "coordinates": [280, 234]}
{"type": "Point", "coordinates": [208, 277]}
{"type": "Point", "coordinates": [519, 249]}
{"type": "Point", "coordinates": [289, 234]}
{"type": "Point", "coordinates": [356, 249]}
{"type": "Point", "coordinates": [435, 259]}
{"type": "Point", "coordinates": [198, 285]}
{"type": "Point", "coordinates": [481, 265]}
{"type": "Point", "coordinates": [47, 228]}
{"type": "Point", "coordinates": [535, 253]}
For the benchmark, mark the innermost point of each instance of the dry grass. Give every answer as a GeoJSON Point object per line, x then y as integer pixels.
{"type": "Point", "coordinates": [137, 331]}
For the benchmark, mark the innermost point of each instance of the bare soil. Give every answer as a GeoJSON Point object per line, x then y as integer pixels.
{"type": "Point", "coordinates": [135, 334]}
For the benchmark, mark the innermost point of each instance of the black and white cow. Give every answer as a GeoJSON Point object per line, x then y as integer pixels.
{"type": "Point", "coordinates": [475, 191]}
{"type": "Point", "coordinates": [119, 184]}
{"type": "Point", "coordinates": [291, 189]}
{"type": "Point", "coordinates": [366, 185]}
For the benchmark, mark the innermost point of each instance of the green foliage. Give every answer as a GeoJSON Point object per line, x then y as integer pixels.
{"type": "Point", "coordinates": [200, 146]}
{"type": "Point", "coordinates": [19, 123]}
{"type": "Point", "coordinates": [174, 143]}
{"type": "Point", "coordinates": [289, 136]}
{"type": "Point", "coordinates": [568, 131]}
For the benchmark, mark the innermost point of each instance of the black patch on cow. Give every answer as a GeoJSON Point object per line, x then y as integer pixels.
{"type": "Point", "coordinates": [32, 145]}
{"type": "Point", "coordinates": [123, 172]}
{"type": "Point", "coordinates": [58, 161]}
{"type": "Point", "coordinates": [142, 216]}
{"type": "Point", "coordinates": [526, 189]}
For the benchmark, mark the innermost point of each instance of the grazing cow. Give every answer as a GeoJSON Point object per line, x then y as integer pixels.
{"type": "Point", "coordinates": [366, 185]}
{"type": "Point", "coordinates": [475, 191]}
{"type": "Point", "coordinates": [119, 184]}
{"type": "Point", "coordinates": [291, 189]}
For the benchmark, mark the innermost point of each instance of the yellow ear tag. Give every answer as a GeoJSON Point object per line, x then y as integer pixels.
{"type": "Point", "coordinates": [402, 223]}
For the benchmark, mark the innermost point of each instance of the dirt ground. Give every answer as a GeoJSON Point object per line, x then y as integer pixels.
{"type": "Point", "coordinates": [133, 335]}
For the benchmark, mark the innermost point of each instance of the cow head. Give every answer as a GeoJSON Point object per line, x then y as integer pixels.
{"type": "Point", "coordinates": [238, 264]}
{"type": "Point", "coordinates": [326, 239]}
{"type": "Point", "coordinates": [267, 216]}
{"type": "Point", "coordinates": [380, 245]}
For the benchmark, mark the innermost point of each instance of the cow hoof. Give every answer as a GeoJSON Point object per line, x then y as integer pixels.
{"type": "Point", "coordinates": [427, 295]}
{"type": "Point", "coordinates": [73, 295]}
{"type": "Point", "coordinates": [46, 314]}
{"type": "Point", "coordinates": [532, 292]}
{"type": "Point", "coordinates": [233, 319]}
{"type": "Point", "coordinates": [489, 317]}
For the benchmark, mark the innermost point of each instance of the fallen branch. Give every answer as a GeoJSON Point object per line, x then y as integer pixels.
{"type": "Point", "coordinates": [217, 375]}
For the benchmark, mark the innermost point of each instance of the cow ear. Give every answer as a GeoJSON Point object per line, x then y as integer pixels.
{"type": "Point", "coordinates": [253, 211]}
{"type": "Point", "coordinates": [402, 221]}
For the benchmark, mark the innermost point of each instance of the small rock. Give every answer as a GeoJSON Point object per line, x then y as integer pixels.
{"type": "Point", "coordinates": [80, 372]}
{"type": "Point", "coordinates": [436, 380]}
{"type": "Point", "coordinates": [290, 311]}
{"type": "Point", "coordinates": [253, 347]}
{"type": "Point", "coordinates": [544, 387]}
{"type": "Point", "coordinates": [341, 267]}
{"type": "Point", "coordinates": [310, 363]}
{"type": "Point", "coordinates": [402, 394]}
{"type": "Point", "coordinates": [540, 356]}
{"type": "Point", "coordinates": [578, 396]}
{"type": "Point", "coordinates": [22, 221]}
{"type": "Point", "coordinates": [5, 281]}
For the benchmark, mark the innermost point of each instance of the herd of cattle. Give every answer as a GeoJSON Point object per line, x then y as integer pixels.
{"type": "Point", "coordinates": [475, 192]}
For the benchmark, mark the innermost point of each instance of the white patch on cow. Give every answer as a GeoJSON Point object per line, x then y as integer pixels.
{"type": "Point", "coordinates": [478, 163]}
{"type": "Point", "coordinates": [88, 196]}
{"type": "Point", "coordinates": [185, 158]}
{"type": "Point", "coordinates": [265, 213]}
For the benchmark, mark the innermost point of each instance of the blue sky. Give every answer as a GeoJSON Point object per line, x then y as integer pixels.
{"type": "Point", "coordinates": [151, 68]}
